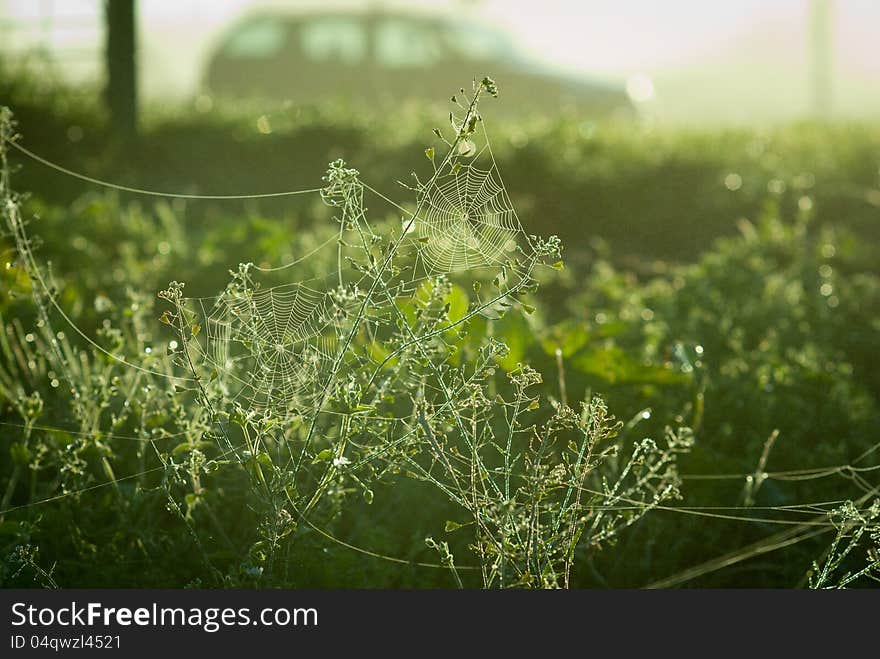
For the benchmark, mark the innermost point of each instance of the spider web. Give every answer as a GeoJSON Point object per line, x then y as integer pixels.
{"type": "Point", "coordinates": [272, 349]}
{"type": "Point", "coordinates": [268, 349]}
{"type": "Point", "coordinates": [467, 220]}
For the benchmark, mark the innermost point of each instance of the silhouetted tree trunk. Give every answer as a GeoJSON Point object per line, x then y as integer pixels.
{"type": "Point", "coordinates": [121, 70]}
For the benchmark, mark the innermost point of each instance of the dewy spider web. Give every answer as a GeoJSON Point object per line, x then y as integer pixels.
{"type": "Point", "coordinates": [468, 220]}
{"type": "Point", "coordinates": [270, 348]}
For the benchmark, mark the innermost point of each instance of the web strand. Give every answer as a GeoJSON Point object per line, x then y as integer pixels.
{"type": "Point", "coordinates": [153, 193]}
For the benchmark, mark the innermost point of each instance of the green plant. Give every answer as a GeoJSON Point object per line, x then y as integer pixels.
{"type": "Point", "coordinates": [121, 473]}
{"type": "Point", "coordinates": [854, 529]}
{"type": "Point", "coordinates": [305, 395]}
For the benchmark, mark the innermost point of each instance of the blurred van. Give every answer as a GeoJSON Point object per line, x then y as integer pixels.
{"type": "Point", "coordinates": [381, 57]}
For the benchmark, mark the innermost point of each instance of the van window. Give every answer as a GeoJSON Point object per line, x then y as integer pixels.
{"type": "Point", "coordinates": [406, 44]}
{"type": "Point", "coordinates": [478, 42]}
{"type": "Point", "coordinates": [258, 39]}
{"type": "Point", "coordinates": [334, 39]}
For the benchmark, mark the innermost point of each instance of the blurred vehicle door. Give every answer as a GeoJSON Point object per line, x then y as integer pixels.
{"type": "Point", "coordinates": [334, 61]}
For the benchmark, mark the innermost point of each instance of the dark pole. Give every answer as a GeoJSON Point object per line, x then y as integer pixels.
{"type": "Point", "coordinates": [121, 69]}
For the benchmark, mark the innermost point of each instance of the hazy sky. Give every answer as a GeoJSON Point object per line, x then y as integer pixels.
{"type": "Point", "coordinates": [734, 60]}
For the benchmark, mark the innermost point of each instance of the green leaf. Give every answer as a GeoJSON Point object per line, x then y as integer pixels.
{"type": "Point", "coordinates": [323, 456]}
{"type": "Point", "coordinates": [429, 152]}
{"type": "Point", "coordinates": [568, 337]}
{"type": "Point", "coordinates": [189, 446]}
{"type": "Point", "coordinates": [458, 303]}
{"type": "Point", "coordinates": [452, 526]}
{"type": "Point", "coordinates": [616, 366]}
{"type": "Point", "coordinates": [517, 337]}
{"type": "Point", "coordinates": [467, 148]}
